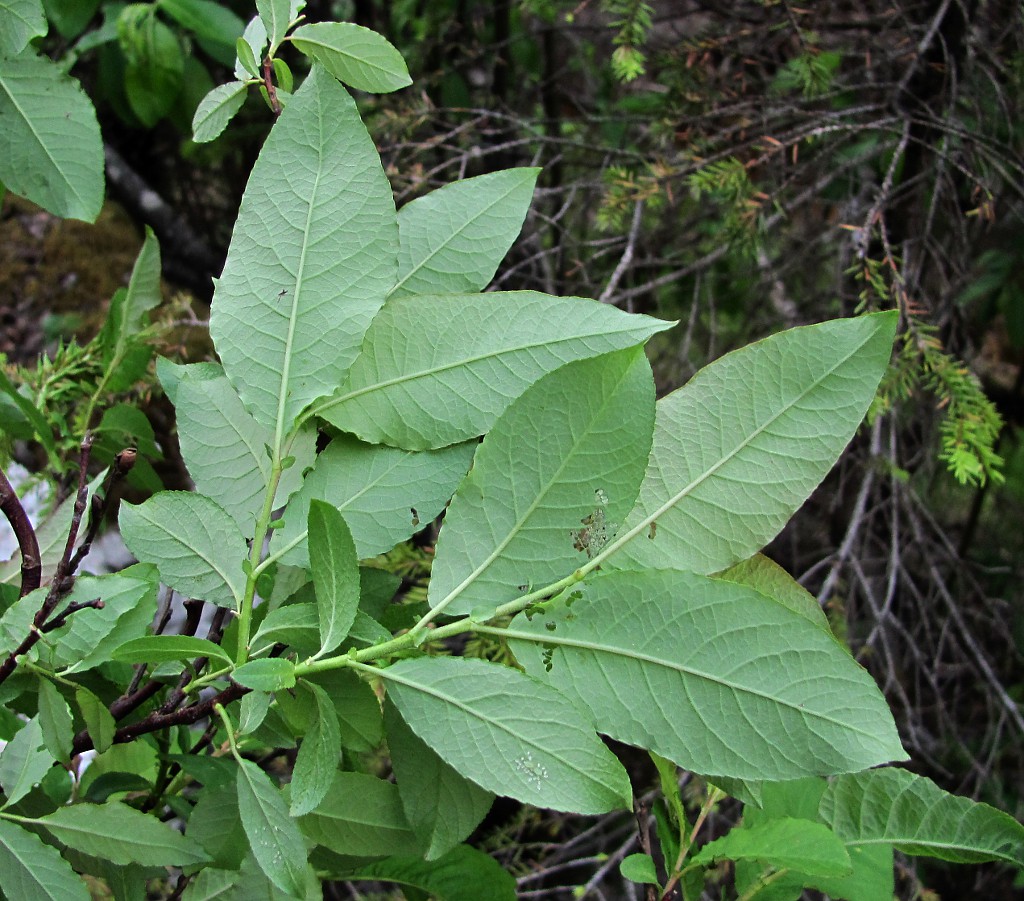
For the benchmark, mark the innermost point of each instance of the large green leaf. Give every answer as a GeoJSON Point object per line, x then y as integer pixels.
{"type": "Point", "coordinates": [442, 806]}
{"type": "Point", "coordinates": [453, 239]}
{"type": "Point", "coordinates": [360, 816]}
{"type": "Point", "coordinates": [24, 762]}
{"type": "Point", "coordinates": [122, 835]}
{"type": "Point", "coordinates": [895, 807]}
{"type": "Point", "coordinates": [437, 370]}
{"type": "Point", "coordinates": [50, 146]}
{"type": "Point", "coordinates": [508, 733]}
{"type": "Point", "coordinates": [335, 569]}
{"type": "Point", "coordinates": [20, 21]}
{"type": "Point", "coordinates": [194, 543]}
{"type": "Point", "coordinates": [224, 448]}
{"type": "Point", "coordinates": [311, 258]}
{"type": "Point", "coordinates": [765, 575]}
{"type": "Point", "coordinates": [317, 760]}
{"type": "Point", "coordinates": [385, 494]}
{"type": "Point", "coordinates": [550, 483]}
{"type": "Point", "coordinates": [32, 871]}
{"type": "Point", "coordinates": [355, 55]}
{"type": "Point", "coordinates": [741, 446]}
{"type": "Point", "coordinates": [712, 675]}
{"type": "Point", "coordinates": [787, 843]}
{"type": "Point", "coordinates": [273, 835]}
{"type": "Point", "coordinates": [154, 62]}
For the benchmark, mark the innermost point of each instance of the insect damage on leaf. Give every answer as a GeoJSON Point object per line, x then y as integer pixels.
{"type": "Point", "coordinates": [595, 531]}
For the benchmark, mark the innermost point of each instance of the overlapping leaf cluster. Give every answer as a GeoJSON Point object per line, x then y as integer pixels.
{"type": "Point", "coordinates": [607, 538]}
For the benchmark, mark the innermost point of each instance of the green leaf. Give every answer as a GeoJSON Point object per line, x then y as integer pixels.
{"type": "Point", "coordinates": [453, 239]}
{"type": "Point", "coordinates": [217, 109]}
{"type": "Point", "coordinates": [40, 427]}
{"type": "Point", "coordinates": [224, 448]}
{"type": "Point", "coordinates": [164, 648]}
{"type": "Point", "coordinates": [20, 21]}
{"type": "Point", "coordinates": [357, 707]}
{"type": "Point", "coordinates": [311, 258]}
{"type": "Point", "coordinates": [437, 370]}
{"type": "Point", "coordinates": [276, 16]}
{"type": "Point", "coordinates": [530, 518]}
{"type": "Point", "coordinates": [32, 871]}
{"type": "Point", "coordinates": [252, 711]}
{"type": "Point", "coordinates": [766, 576]}
{"type": "Point", "coordinates": [639, 868]}
{"type": "Point", "coordinates": [205, 19]}
{"type": "Point", "coordinates": [361, 816]}
{"type": "Point", "coordinates": [55, 721]}
{"type": "Point", "coordinates": [120, 834]}
{"type": "Point", "coordinates": [317, 760]}
{"type": "Point", "coordinates": [24, 762]}
{"type": "Point", "coordinates": [741, 446]}
{"type": "Point", "coordinates": [895, 807]}
{"type": "Point", "coordinates": [768, 694]}
{"type": "Point", "coordinates": [273, 835]}
{"type": "Point", "coordinates": [247, 64]}
{"type": "Point", "coordinates": [154, 62]}
{"type": "Point", "coordinates": [297, 625]}
{"type": "Point", "coordinates": [234, 884]}
{"type": "Point", "coordinates": [194, 543]}
{"type": "Point", "coordinates": [70, 17]}
{"type": "Point", "coordinates": [335, 568]}
{"type": "Point", "coordinates": [127, 426]}
{"type": "Point", "coordinates": [355, 55]}
{"type": "Point", "coordinates": [441, 806]}
{"type": "Point", "coordinates": [376, 489]}
{"type": "Point", "coordinates": [786, 844]}
{"type": "Point", "coordinates": [463, 874]}
{"type": "Point", "coordinates": [508, 733]}
{"type": "Point", "coordinates": [98, 722]}
{"type": "Point", "coordinates": [268, 674]}
{"type": "Point", "coordinates": [216, 824]}
{"type": "Point", "coordinates": [50, 146]}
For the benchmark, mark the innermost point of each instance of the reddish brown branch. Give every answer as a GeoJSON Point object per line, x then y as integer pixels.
{"type": "Point", "coordinates": [268, 84]}
{"type": "Point", "coordinates": [31, 564]}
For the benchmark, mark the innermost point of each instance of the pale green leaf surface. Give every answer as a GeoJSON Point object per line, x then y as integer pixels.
{"type": "Point", "coordinates": [20, 21]}
{"type": "Point", "coordinates": [766, 576]}
{"type": "Point", "coordinates": [216, 110]}
{"type": "Point", "coordinates": [550, 483]}
{"type": "Point", "coordinates": [267, 674]}
{"type": "Point", "coordinates": [376, 489]}
{"type": "Point", "coordinates": [55, 721]}
{"type": "Point", "coordinates": [194, 543]}
{"type": "Point", "coordinates": [335, 569]}
{"type": "Point", "coordinates": [164, 648]}
{"type": "Point", "coordinates": [276, 14]}
{"type": "Point", "coordinates": [787, 843]}
{"type": "Point", "coordinates": [355, 55]}
{"type": "Point", "coordinates": [121, 834]}
{"type": "Point", "coordinates": [360, 816]}
{"type": "Point", "coordinates": [442, 806]}
{"type": "Point", "coordinates": [741, 446]}
{"type": "Point", "coordinates": [24, 761]}
{"type": "Point", "coordinates": [453, 239]}
{"type": "Point", "coordinates": [255, 38]}
{"type": "Point", "coordinates": [252, 711]}
{"type": "Point", "coordinates": [508, 733]}
{"type": "Point", "coordinates": [464, 874]}
{"type": "Point", "coordinates": [311, 258]}
{"type": "Point", "coordinates": [317, 760]}
{"type": "Point", "coordinates": [712, 675]}
{"type": "Point", "coordinates": [50, 146]}
{"type": "Point", "coordinates": [32, 871]}
{"type": "Point", "coordinates": [894, 807]}
{"type": "Point", "coordinates": [296, 625]}
{"type": "Point", "coordinates": [273, 835]}
{"type": "Point", "coordinates": [435, 370]}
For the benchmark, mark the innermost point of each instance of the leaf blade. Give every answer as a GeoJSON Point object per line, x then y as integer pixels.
{"type": "Point", "coordinates": [355, 55]}
{"type": "Point", "coordinates": [35, 871]}
{"type": "Point", "coordinates": [335, 568]}
{"type": "Point", "coordinates": [317, 760]}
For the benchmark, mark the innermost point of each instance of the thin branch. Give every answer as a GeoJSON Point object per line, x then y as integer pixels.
{"type": "Point", "coordinates": [31, 563]}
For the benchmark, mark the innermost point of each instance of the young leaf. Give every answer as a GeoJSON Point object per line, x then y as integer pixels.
{"type": "Point", "coordinates": [317, 760]}
{"type": "Point", "coordinates": [768, 694]}
{"type": "Point", "coordinates": [787, 843]}
{"type": "Point", "coordinates": [276, 15]}
{"type": "Point", "coordinates": [252, 711]}
{"type": "Point", "coordinates": [335, 568]}
{"type": "Point", "coordinates": [195, 544]}
{"type": "Point", "coordinates": [98, 722]}
{"type": "Point", "coordinates": [163, 648]}
{"type": "Point", "coordinates": [55, 721]}
{"type": "Point", "coordinates": [21, 21]}
{"type": "Point", "coordinates": [509, 733]}
{"type": "Point", "coordinates": [311, 258]}
{"type": "Point", "coordinates": [588, 428]}
{"type": "Point", "coordinates": [442, 807]}
{"type": "Point", "coordinates": [50, 146]}
{"type": "Point", "coordinates": [740, 447]}
{"type": "Point", "coordinates": [437, 370]}
{"type": "Point", "coordinates": [273, 835]}
{"type": "Point", "coordinates": [376, 489]}
{"type": "Point", "coordinates": [268, 674]}
{"type": "Point", "coordinates": [246, 63]}
{"type": "Point", "coordinates": [452, 240]}
{"type": "Point", "coordinates": [355, 55]}
{"type": "Point", "coordinates": [639, 868]}
{"type": "Point", "coordinates": [895, 807]}
{"type": "Point", "coordinates": [32, 871]}
{"type": "Point", "coordinates": [122, 835]}
{"type": "Point", "coordinates": [217, 109]}
{"type": "Point", "coordinates": [361, 816]}
{"type": "Point", "coordinates": [24, 762]}
{"type": "Point", "coordinates": [40, 427]}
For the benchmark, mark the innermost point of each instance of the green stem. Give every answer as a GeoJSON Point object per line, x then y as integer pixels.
{"type": "Point", "coordinates": [222, 713]}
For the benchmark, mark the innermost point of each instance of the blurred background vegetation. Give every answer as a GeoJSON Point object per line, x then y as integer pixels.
{"type": "Point", "coordinates": [743, 167]}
